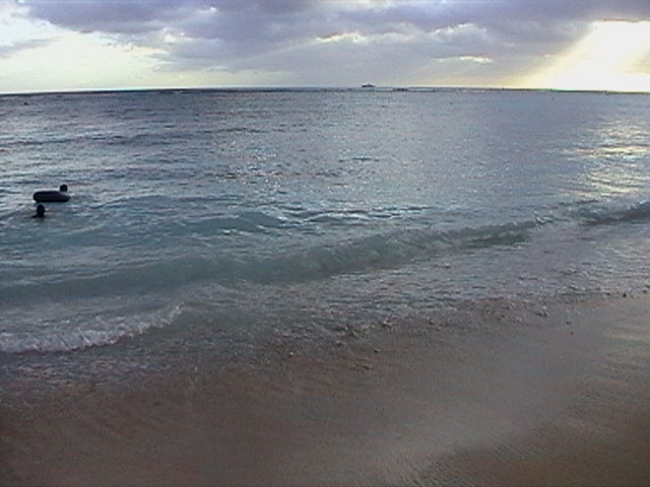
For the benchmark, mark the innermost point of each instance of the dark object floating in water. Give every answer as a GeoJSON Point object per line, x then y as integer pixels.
{"type": "Point", "coordinates": [40, 211]}
{"type": "Point", "coordinates": [367, 85]}
{"type": "Point", "coordinates": [52, 196]}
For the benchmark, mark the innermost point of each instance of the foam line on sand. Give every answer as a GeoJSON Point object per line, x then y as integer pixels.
{"type": "Point", "coordinates": [494, 395]}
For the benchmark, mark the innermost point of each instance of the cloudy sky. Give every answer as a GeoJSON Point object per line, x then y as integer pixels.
{"type": "Point", "coordinates": [50, 45]}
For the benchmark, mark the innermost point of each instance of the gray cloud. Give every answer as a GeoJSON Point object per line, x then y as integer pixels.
{"type": "Point", "coordinates": [285, 35]}
{"type": "Point", "coordinates": [9, 50]}
{"type": "Point", "coordinates": [117, 16]}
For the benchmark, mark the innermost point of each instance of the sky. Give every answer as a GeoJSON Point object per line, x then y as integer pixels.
{"type": "Point", "coordinates": [68, 45]}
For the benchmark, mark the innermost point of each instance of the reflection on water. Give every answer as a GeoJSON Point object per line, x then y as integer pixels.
{"type": "Point", "coordinates": [614, 152]}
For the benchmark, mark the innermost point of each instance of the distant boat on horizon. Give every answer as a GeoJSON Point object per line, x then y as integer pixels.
{"type": "Point", "coordinates": [367, 85]}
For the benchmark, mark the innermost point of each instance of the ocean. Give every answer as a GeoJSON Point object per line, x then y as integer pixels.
{"type": "Point", "coordinates": [224, 221]}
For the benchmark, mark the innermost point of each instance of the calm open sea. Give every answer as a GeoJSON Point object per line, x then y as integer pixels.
{"type": "Point", "coordinates": [228, 217]}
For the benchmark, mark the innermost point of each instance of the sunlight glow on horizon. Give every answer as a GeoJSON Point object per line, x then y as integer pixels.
{"type": "Point", "coordinates": [80, 61]}
{"type": "Point", "coordinates": [606, 60]}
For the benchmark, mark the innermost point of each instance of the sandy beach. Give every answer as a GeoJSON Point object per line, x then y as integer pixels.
{"type": "Point", "coordinates": [500, 394]}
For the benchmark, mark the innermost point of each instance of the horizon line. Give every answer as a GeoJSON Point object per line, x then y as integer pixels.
{"type": "Point", "coordinates": [366, 87]}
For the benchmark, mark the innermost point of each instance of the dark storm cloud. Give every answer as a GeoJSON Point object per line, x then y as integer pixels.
{"type": "Point", "coordinates": [283, 35]}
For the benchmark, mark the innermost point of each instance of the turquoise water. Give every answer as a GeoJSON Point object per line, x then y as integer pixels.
{"type": "Point", "coordinates": [229, 216]}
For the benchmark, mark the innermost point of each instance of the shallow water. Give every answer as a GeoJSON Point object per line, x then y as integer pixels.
{"type": "Point", "coordinates": [226, 217]}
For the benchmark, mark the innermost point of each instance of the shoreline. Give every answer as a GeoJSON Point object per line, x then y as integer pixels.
{"type": "Point", "coordinates": [523, 395]}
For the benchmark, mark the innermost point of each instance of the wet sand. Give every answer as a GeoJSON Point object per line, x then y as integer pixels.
{"type": "Point", "coordinates": [498, 395]}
